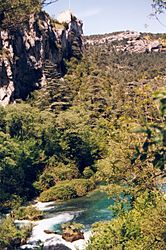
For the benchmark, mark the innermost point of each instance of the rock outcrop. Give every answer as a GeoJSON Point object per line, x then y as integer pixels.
{"type": "Point", "coordinates": [24, 52]}
{"type": "Point", "coordinates": [71, 237]}
{"type": "Point", "coordinates": [128, 41]}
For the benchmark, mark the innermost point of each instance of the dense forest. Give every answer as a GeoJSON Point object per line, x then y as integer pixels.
{"type": "Point", "coordinates": [104, 123]}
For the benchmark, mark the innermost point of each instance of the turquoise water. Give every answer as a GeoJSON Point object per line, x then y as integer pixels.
{"type": "Point", "coordinates": [86, 210]}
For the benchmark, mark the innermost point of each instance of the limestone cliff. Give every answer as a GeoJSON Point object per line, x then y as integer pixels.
{"type": "Point", "coordinates": [24, 52]}
{"type": "Point", "coordinates": [129, 41]}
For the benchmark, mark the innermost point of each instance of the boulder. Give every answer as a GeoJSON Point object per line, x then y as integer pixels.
{"type": "Point", "coordinates": [73, 236]}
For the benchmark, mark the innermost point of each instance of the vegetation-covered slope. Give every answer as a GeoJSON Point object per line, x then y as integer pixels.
{"type": "Point", "coordinates": [78, 131]}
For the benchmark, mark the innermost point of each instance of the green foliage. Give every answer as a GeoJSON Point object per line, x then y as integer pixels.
{"type": "Point", "coordinates": [13, 10]}
{"type": "Point", "coordinates": [37, 151]}
{"type": "Point", "coordinates": [11, 236]}
{"type": "Point", "coordinates": [139, 206]}
{"type": "Point", "coordinates": [88, 172]}
{"type": "Point", "coordinates": [141, 228]}
{"type": "Point", "coordinates": [70, 227]}
{"type": "Point", "coordinates": [40, 148]}
{"type": "Point", "coordinates": [80, 127]}
{"type": "Point", "coordinates": [27, 213]}
{"type": "Point", "coordinates": [55, 173]}
{"type": "Point", "coordinates": [59, 192]}
{"type": "Point", "coordinates": [67, 190]}
{"type": "Point", "coordinates": [22, 155]}
{"type": "Point", "coordinates": [13, 13]}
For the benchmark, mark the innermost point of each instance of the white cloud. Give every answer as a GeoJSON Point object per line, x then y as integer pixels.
{"type": "Point", "coordinates": [89, 13]}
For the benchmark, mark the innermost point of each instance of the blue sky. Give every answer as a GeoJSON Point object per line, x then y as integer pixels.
{"type": "Point", "coordinates": [105, 16]}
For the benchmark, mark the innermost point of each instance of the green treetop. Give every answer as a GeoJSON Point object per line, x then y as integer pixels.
{"type": "Point", "coordinates": [13, 12]}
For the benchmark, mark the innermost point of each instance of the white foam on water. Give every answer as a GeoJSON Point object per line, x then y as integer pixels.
{"type": "Point", "coordinates": [23, 222]}
{"type": "Point", "coordinates": [38, 233]}
{"type": "Point", "coordinates": [45, 206]}
{"type": "Point", "coordinates": [76, 245]}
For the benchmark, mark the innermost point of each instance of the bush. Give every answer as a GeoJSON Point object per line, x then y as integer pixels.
{"type": "Point", "coordinates": [82, 186]}
{"type": "Point", "coordinates": [66, 173]}
{"type": "Point", "coordinates": [141, 228]}
{"type": "Point", "coordinates": [66, 190]}
{"type": "Point", "coordinates": [27, 213]}
{"type": "Point", "coordinates": [58, 192]}
{"type": "Point", "coordinates": [88, 172]}
{"type": "Point", "coordinates": [12, 237]}
{"type": "Point", "coordinates": [54, 174]}
{"type": "Point", "coordinates": [72, 226]}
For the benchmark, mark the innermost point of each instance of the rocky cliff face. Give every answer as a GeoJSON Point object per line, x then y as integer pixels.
{"type": "Point", "coordinates": [24, 52]}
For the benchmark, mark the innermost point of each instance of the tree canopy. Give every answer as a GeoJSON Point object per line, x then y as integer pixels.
{"type": "Point", "coordinates": [13, 12]}
{"type": "Point", "coordinates": [104, 122]}
{"type": "Point", "coordinates": [159, 5]}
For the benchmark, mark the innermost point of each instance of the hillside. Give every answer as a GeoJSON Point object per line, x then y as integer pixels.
{"type": "Point", "coordinates": [130, 41]}
{"type": "Point", "coordinates": [98, 117]}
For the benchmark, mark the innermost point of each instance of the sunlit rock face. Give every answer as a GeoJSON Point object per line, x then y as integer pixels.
{"type": "Point", "coordinates": [65, 16]}
{"type": "Point", "coordinates": [24, 51]}
{"type": "Point", "coordinates": [128, 41]}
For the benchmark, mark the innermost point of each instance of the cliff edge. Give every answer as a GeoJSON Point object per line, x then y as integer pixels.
{"type": "Point", "coordinates": [24, 52]}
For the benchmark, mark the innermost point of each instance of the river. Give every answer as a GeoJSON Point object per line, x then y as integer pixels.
{"type": "Point", "coordinates": [86, 210]}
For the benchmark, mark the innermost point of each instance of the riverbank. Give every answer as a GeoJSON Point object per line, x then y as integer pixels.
{"type": "Point", "coordinates": [86, 210]}
{"type": "Point", "coordinates": [40, 237]}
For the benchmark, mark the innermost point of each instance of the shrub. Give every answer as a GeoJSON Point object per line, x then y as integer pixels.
{"type": "Point", "coordinates": [72, 227]}
{"type": "Point", "coordinates": [58, 192]}
{"type": "Point", "coordinates": [88, 172]}
{"type": "Point", "coordinates": [54, 174]}
{"type": "Point", "coordinates": [27, 213]}
{"type": "Point", "coordinates": [66, 173]}
{"type": "Point", "coordinates": [11, 236]}
{"type": "Point", "coordinates": [66, 190]}
{"type": "Point", "coordinates": [141, 228]}
{"type": "Point", "coordinates": [82, 186]}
